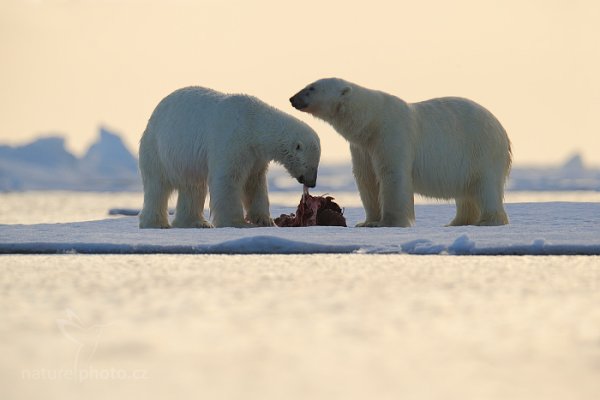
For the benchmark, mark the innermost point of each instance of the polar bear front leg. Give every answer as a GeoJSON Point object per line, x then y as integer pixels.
{"type": "Point", "coordinates": [397, 204]}
{"type": "Point", "coordinates": [226, 200]}
{"type": "Point", "coordinates": [256, 199]}
{"type": "Point", "coordinates": [396, 191]}
{"type": "Point", "coordinates": [366, 181]}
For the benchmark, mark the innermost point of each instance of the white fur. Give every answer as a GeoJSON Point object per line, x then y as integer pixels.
{"type": "Point", "coordinates": [198, 140]}
{"type": "Point", "coordinates": [442, 148]}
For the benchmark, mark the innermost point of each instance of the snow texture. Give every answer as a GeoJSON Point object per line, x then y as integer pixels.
{"type": "Point", "coordinates": [536, 229]}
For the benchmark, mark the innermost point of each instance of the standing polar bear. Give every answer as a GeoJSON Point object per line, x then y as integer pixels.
{"type": "Point", "coordinates": [442, 148]}
{"type": "Point", "coordinates": [199, 139]}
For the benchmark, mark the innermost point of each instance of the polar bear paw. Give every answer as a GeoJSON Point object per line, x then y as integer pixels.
{"type": "Point", "coordinates": [202, 224]}
{"type": "Point", "coordinates": [153, 222]}
{"type": "Point", "coordinates": [493, 219]}
{"type": "Point", "coordinates": [192, 224]}
{"type": "Point", "coordinates": [261, 220]}
{"type": "Point", "coordinates": [242, 224]}
{"type": "Point", "coordinates": [156, 225]}
{"type": "Point", "coordinates": [368, 224]}
{"type": "Point", "coordinates": [384, 224]}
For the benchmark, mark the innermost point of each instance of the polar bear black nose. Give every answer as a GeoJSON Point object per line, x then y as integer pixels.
{"type": "Point", "coordinates": [311, 181]}
{"type": "Point", "coordinates": [297, 103]}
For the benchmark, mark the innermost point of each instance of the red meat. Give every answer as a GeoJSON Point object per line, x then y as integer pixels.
{"type": "Point", "coordinates": [313, 210]}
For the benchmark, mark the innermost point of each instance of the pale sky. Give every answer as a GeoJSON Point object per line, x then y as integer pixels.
{"type": "Point", "coordinates": [68, 66]}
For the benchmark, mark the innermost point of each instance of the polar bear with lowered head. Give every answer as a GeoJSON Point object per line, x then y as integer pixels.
{"type": "Point", "coordinates": [200, 140]}
{"type": "Point", "coordinates": [447, 148]}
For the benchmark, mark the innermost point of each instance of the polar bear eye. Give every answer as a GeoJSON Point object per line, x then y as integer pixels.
{"type": "Point", "coordinates": [312, 88]}
{"type": "Point", "coordinates": [298, 146]}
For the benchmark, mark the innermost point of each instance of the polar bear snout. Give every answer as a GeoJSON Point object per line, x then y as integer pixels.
{"type": "Point", "coordinates": [298, 102]}
{"type": "Point", "coordinates": [309, 182]}
{"type": "Point", "coordinates": [308, 176]}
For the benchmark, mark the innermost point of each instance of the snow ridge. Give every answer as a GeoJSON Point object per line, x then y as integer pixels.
{"type": "Point", "coordinates": [536, 229]}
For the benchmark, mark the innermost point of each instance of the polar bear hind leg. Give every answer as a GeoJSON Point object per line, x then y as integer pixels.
{"type": "Point", "coordinates": [467, 212]}
{"type": "Point", "coordinates": [189, 212]}
{"type": "Point", "coordinates": [493, 216]}
{"type": "Point", "coordinates": [490, 200]}
{"type": "Point", "coordinates": [156, 198]}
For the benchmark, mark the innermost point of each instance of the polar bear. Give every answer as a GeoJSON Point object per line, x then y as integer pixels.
{"type": "Point", "coordinates": [198, 139]}
{"type": "Point", "coordinates": [448, 148]}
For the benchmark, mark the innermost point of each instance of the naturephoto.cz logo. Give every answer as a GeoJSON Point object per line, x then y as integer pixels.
{"type": "Point", "coordinates": [85, 339]}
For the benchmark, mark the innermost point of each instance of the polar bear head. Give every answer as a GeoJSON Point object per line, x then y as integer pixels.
{"type": "Point", "coordinates": [324, 98]}
{"type": "Point", "coordinates": [300, 153]}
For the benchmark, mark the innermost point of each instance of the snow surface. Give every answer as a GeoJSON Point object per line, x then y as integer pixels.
{"type": "Point", "coordinates": [287, 327]}
{"type": "Point", "coordinates": [554, 228]}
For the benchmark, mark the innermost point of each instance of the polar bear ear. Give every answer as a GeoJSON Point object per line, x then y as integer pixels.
{"type": "Point", "coordinates": [345, 91]}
